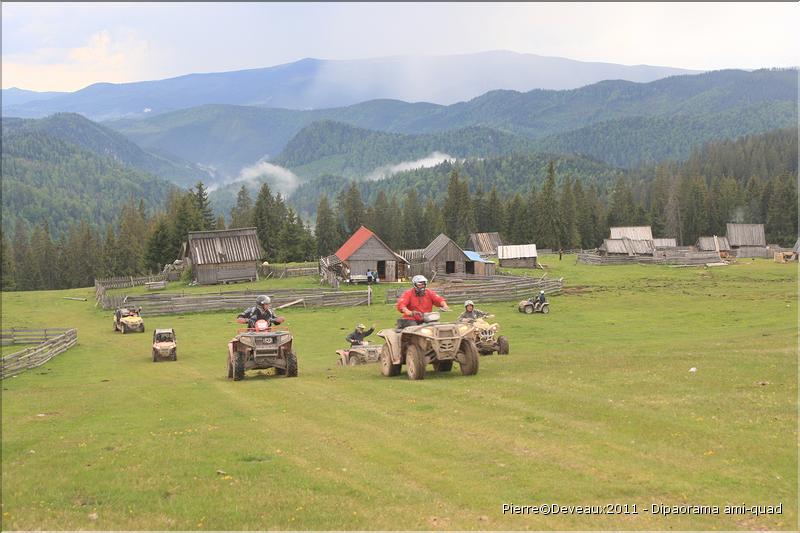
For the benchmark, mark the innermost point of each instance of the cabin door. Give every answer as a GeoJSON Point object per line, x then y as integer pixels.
{"type": "Point", "coordinates": [381, 269]}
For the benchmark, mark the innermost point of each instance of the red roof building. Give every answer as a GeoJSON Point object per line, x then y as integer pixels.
{"type": "Point", "coordinates": [365, 251]}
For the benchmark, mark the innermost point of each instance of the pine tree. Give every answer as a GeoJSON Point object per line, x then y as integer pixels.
{"type": "Point", "coordinates": [548, 212]}
{"type": "Point", "coordinates": [110, 264]}
{"type": "Point", "coordinates": [393, 231]}
{"type": "Point", "coordinates": [622, 209]}
{"type": "Point", "coordinates": [495, 214]}
{"type": "Point", "coordinates": [7, 270]}
{"type": "Point", "coordinates": [43, 254]}
{"type": "Point", "coordinates": [220, 224]}
{"type": "Point", "coordinates": [157, 249]}
{"type": "Point", "coordinates": [515, 211]}
{"type": "Point", "coordinates": [529, 230]}
{"type": "Point", "coordinates": [479, 210]}
{"type": "Point", "coordinates": [433, 223]}
{"type": "Point", "coordinates": [242, 212]}
{"type": "Point", "coordinates": [452, 205]}
{"type": "Point", "coordinates": [28, 275]}
{"type": "Point", "coordinates": [598, 217]}
{"type": "Point", "coordinates": [570, 238]}
{"type": "Point", "coordinates": [131, 240]}
{"type": "Point", "coordinates": [411, 222]}
{"type": "Point", "coordinates": [693, 197]}
{"type": "Point", "coordinates": [326, 230]}
{"type": "Point", "coordinates": [204, 206]}
{"type": "Point", "coordinates": [583, 217]}
{"type": "Point", "coordinates": [382, 218]}
{"type": "Point", "coordinates": [267, 221]}
{"type": "Point", "coordinates": [354, 211]}
{"type": "Point", "coordinates": [781, 222]}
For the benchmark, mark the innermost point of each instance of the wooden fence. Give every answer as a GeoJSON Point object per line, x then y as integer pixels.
{"type": "Point", "coordinates": [495, 289]}
{"type": "Point", "coordinates": [177, 303]}
{"type": "Point", "coordinates": [677, 257]}
{"type": "Point", "coordinates": [121, 282]}
{"type": "Point", "coordinates": [278, 272]}
{"type": "Point", "coordinates": [55, 342]}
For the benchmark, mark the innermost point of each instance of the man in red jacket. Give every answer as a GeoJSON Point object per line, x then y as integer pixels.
{"type": "Point", "coordinates": [416, 301]}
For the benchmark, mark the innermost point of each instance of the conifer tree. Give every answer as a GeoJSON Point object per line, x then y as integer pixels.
{"type": "Point", "coordinates": [7, 270]}
{"type": "Point", "coordinates": [781, 221]}
{"type": "Point", "coordinates": [354, 210]}
{"type": "Point", "coordinates": [242, 211]}
{"type": "Point", "coordinates": [326, 230]}
{"type": "Point", "coordinates": [495, 218]}
{"type": "Point", "coordinates": [204, 206]}
{"type": "Point", "coordinates": [515, 212]}
{"type": "Point", "coordinates": [157, 249]}
{"type": "Point", "coordinates": [411, 222]}
{"type": "Point", "coordinates": [570, 237]}
{"type": "Point", "coordinates": [548, 212]}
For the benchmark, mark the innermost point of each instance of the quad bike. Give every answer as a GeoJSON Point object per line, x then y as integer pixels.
{"type": "Point", "coordinates": [127, 320]}
{"type": "Point", "coordinates": [429, 342]}
{"type": "Point", "coordinates": [531, 306]}
{"type": "Point", "coordinates": [261, 347]}
{"type": "Point", "coordinates": [359, 355]}
{"type": "Point", "coordinates": [164, 345]}
{"type": "Point", "coordinates": [486, 339]}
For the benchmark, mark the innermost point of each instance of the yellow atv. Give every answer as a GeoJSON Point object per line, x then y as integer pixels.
{"type": "Point", "coordinates": [127, 320]}
{"type": "Point", "coordinates": [486, 338]}
{"type": "Point", "coordinates": [429, 342]}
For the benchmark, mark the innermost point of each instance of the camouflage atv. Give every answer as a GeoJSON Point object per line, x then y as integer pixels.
{"type": "Point", "coordinates": [127, 320]}
{"type": "Point", "coordinates": [486, 338]}
{"type": "Point", "coordinates": [359, 355]}
{"type": "Point", "coordinates": [429, 343]}
{"type": "Point", "coordinates": [261, 347]}
{"type": "Point", "coordinates": [164, 345]}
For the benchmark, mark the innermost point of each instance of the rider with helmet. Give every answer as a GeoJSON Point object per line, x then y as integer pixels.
{"type": "Point", "coordinates": [417, 300]}
{"type": "Point", "coordinates": [357, 337]}
{"type": "Point", "coordinates": [470, 313]}
{"type": "Point", "coordinates": [260, 311]}
{"type": "Point", "coordinates": [540, 300]}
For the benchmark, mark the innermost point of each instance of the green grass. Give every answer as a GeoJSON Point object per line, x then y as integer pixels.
{"type": "Point", "coordinates": [594, 405]}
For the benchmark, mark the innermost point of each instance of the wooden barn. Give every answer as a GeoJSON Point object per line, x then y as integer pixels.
{"type": "Point", "coordinates": [629, 247]}
{"type": "Point", "coordinates": [484, 243]}
{"type": "Point", "coordinates": [714, 244]}
{"type": "Point", "coordinates": [663, 244]}
{"type": "Point", "coordinates": [223, 256]}
{"type": "Point", "coordinates": [518, 255]}
{"type": "Point", "coordinates": [634, 233]}
{"type": "Point", "coordinates": [477, 265]}
{"type": "Point", "coordinates": [445, 257]}
{"type": "Point", "coordinates": [366, 251]}
{"type": "Point", "coordinates": [747, 240]}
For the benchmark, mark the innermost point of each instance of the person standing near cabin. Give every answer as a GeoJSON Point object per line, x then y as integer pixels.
{"type": "Point", "coordinates": [416, 301]}
{"type": "Point", "coordinates": [370, 275]}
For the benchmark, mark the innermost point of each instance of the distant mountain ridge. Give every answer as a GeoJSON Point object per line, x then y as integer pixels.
{"type": "Point", "coordinates": [682, 111]}
{"type": "Point", "coordinates": [317, 83]}
{"type": "Point", "coordinates": [107, 143]}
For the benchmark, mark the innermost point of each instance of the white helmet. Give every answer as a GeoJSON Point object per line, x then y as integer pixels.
{"type": "Point", "coordinates": [419, 279]}
{"type": "Point", "coordinates": [541, 292]}
{"type": "Point", "coordinates": [468, 302]}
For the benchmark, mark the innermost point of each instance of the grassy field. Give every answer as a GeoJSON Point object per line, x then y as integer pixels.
{"type": "Point", "coordinates": [595, 405]}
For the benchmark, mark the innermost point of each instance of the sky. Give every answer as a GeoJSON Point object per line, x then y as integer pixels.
{"type": "Point", "coordinates": [68, 46]}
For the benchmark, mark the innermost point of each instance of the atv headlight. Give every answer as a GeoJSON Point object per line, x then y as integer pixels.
{"type": "Point", "coordinates": [426, 331]}
{"type": "Point", "coordinates": [463, 328]}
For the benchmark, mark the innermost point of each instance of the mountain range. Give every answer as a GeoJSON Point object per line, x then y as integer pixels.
{"type": "Point", "coordinates": [317, 83]}
{"type": "Point", "coordinates": [622, 123]}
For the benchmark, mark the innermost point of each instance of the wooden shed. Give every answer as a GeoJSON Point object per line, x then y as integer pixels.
{"type": "Point", "coordinates": [478, 265]}
{"type": "Point", "coordinates": [665, 243]}
{"type": "Point", "coordinates": [484, 243]}
{"type": "Point", "coordinates": [634, 233]}
{"type": "Point", "coordinates": [518, 255]}
{"type": "Point", "coordinates": [224, 255]}
{"type": "Point", "coordinates": [444, 256]}
{"type": "Point", "coordinates": [366, 251]}
{"type": "Point", "coordinates": [629, 247]}
{"type": "Point", "coordinates": [713, 244]}
{"type": "Point", "coordinates": [747, 240]}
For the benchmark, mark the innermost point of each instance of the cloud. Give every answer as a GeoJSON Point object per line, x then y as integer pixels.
{"type": "Point", "coordinates": [280, 178]}
{"type": "Point", "coordinates": [388, 170]}
{"type": "Point", "coordinates": [103, 57]}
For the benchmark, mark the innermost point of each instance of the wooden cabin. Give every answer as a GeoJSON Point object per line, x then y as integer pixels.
{"type": "Point", "coordinates": [223, 256]}
{"type": "Point", "coordinates": [484, 243]}
{"type": "Point", "coordinates": [365, 251]}
{"type": "Point", "coordinates": [747, 240]}
{"type": "Point", "coordinates": [518, 255]}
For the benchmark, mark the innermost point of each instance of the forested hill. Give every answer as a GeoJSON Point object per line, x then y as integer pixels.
{"type": "Point", "coordinates": [329, 147]}
{"type": "Point", "coordinates": [508, 174]}
{"type": "Point", "coordinates": [105, 142]}
{"type": "Point", "coordinates": [48, 179]}
{"type": "Point", "coordinates": [687, 110]}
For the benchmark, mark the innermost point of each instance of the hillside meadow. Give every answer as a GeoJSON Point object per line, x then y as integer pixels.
{"type": "Point", "coordinates": [595, 405]}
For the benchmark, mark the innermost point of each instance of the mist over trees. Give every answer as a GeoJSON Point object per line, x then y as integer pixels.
{"type": "Point", "coordinates": [752, 179]}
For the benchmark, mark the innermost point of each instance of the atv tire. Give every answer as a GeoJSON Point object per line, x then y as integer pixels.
{"type": "Point", "coordinates": [443, 366]}
{"type": "Point", "coordinates": [353, 360]}
{"type": "Point", "coordinates": [291, 365]}
{"type": "Point", "coordinates": [230, 369]}
{"type": "Point", "coordinates": [238, 366]}
{"type": "Point", "coordinates": [546, 309]}
{"type": "Point", "coordinates": [415, 363]}
{"type": "Point", "coordinates": [528, 309]}
{"type": "Point", "coordinates": [155, 356]}
{"type": "Point", "coordinates": [174, 355]}
{"type": "Point", "coordinates": [469, 360]}
{"type": "Point", "coordinates": [387, 368]}
{"type": "Point", "coordinates": [502, 346]}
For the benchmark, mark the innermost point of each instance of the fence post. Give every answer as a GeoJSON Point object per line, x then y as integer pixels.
{"type": "Point", "coordinates": [369, 295]}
